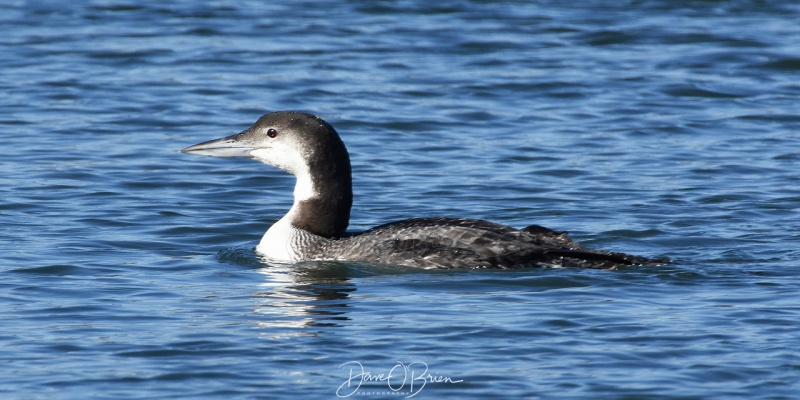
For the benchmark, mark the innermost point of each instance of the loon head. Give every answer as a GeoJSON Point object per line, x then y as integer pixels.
{"type": "Point", "coordinates": [292, 141]}
{"type": "Point", "coordinates": [310, 149]}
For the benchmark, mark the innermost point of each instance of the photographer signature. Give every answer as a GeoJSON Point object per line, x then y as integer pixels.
{"type": "Point", "coordinates": [401, 379]}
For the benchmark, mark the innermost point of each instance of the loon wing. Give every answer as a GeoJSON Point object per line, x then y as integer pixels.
{"type": "Point", "coordinates": [470, 243]}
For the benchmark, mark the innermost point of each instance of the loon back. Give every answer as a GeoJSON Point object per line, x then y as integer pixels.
{"type": "Point", "coordinates": [471, 243]}
{"type": "Point", "coordinates": [314, 228]}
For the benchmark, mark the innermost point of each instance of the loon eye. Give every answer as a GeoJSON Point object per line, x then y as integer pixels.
{"type": "Point", "coordinates": [271, 132]}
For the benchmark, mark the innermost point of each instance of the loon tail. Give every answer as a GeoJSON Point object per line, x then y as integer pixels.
{"type": "Point", "coordinates": [599, 259]}
{"type": "Point", "coordinates": [571, 253]}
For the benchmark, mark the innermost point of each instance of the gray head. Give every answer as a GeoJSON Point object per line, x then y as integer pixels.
{"type": "Point", "coordinates": [308, 148]}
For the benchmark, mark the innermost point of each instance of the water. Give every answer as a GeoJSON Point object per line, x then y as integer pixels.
{"type": "Point", "coordinates": [658, 128]}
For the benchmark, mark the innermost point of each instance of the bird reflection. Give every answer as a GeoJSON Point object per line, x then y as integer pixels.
{"type": "Point", "coordinates": [303, 295]}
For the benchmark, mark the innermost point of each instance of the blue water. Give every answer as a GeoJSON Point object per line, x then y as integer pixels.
{"type": "Point", "coordinates": [658, 128]}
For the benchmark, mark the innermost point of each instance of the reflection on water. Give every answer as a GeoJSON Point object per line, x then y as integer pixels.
{"type": "Point", "coordinates": [302, 295]}
{"type": "Point", "coordinates": [311, 294]}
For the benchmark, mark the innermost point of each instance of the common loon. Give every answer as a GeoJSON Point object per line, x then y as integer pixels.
{"type": "Point", "coordinates": [315, 227]}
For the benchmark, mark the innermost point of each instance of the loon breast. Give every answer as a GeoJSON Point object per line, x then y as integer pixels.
{"type": "Point", "coordinates": [315, 226]}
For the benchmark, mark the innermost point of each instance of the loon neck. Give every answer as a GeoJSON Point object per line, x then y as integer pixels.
{"type": "Point", "coordinates": [323, 196]}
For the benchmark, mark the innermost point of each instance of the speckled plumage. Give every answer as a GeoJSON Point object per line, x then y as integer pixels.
{"type": "Point", "coordinates": [313, 229]}
{"type": "Point", "coordinates": [468, 243]}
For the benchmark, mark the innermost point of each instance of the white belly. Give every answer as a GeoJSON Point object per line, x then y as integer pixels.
{"type": "Point", "coordinates": [277, 243]}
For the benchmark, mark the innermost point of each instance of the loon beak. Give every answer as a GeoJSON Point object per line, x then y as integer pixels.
{"type": "Point", "coordinates": [229, 146]}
